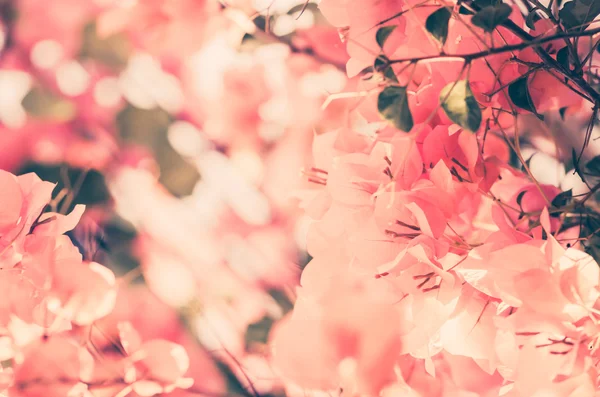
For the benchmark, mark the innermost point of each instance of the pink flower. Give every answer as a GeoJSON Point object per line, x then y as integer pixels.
{"type": "Point", "coordinates": [155, 366]}
{"type": "Point", "coordinates": [349, 334]}
{"type": "Point", "coordinates": [54, 367]}
{"type": "Point", "coordinates": [25, 197]}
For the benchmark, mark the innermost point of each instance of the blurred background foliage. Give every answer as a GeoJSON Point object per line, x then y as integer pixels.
{"type": "Point", "coordinates": [113, 242]}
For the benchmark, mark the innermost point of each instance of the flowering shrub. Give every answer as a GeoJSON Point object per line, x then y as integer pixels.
{"type": "Point", "coordinates": [52, 301]}
{"type": "Point", "coordinates": [439, 269]}
{"type": "Point", "coordinates": [350, 198]}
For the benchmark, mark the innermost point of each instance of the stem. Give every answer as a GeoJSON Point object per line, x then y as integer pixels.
{"type": "Point", "coordinates": [499, 50]}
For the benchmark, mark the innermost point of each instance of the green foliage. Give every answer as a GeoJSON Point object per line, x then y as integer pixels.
{"type": "Point", "coordinates": [382, 64]}
{"type": "Point", "coordinates": [383, 33]}
{"type": "Point", "coordinates": [532, 18]}
{"type": "Point", "coordinates": [281, 298]}
{"type": "Point", "coordinates": [258, 332]}
{"type": "Point", "coordinates": [43, 104]}
{"type": "Point", "coordinates": [392, 104]}
{"type": "Point", "coordinates": [437, 24]}
{"type": "Point", "coordinates": [578, 14]}
{"type": "Point", "coordinates": [460, 105]}
{"type": "Point", "coordinates": [520, 197]}
{"type": "Point", "coordinates": [518, 91]}
{"type": "Point", "coordinates": [93, 190]}
{"type": "Point", "coordinates": [490, 17]}
{"type": "Point", "coordinates": [593, 166]}
{"type": "Point", "coordinates": [562, 57]}
{"type": "Point", "coordinates": [149, 128]}
{"type": "Point", "coordinates": [562, 199]}
{"type": "Point", "coordinates": [112, 51]}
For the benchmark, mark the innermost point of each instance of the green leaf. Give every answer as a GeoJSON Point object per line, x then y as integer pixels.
{"type": "Point", "coordinates": [528, 161]}
{"type": "Point", "coordinates": [532, 18]}
{"type": "Point", "coordinates": [392, 104]}
{"type": "Point", "coordinates": [489, 18]}
{"type": "Point", "coordinates": [460, 105]}
{"type": "Point", "coordinates": [519, 201]}
{"type": "Point", "coordinates": [464, 11]}
{"type": "Point", "coordinates": [280, 297]}
{"type": "Point", "coordinates": [592, 223]}
{"type": "Point", "coordinates": [594, 165]}
{"type": "Point", "coordinates": [437, 24]}
{"type": "Point", "coordinates": [383, 33]}
{"type": "Point", "coordinates": [579, 13]}
{"type": "Point", "coordinates": [519, 94]}
{"type": "Point", "coordinates": [562, 199]}
{"type": "Point", "coordinates": [520, 197]}
{"type": "Point", "coordinates": [562, 57]}
{"type": "Point", "coordinates": [382, 64]}
{"type": "Point", "coordinates": [93, 190]}
{"type": "Point", "coordinates": [390, 75]}
{"type": "Point", "coordinates": [561, 112]}
{"type": "Point", "coordinates": [258, 332]}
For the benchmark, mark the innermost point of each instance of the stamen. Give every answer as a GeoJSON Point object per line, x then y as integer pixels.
{"type": "Point", "coordinates": [421, 276]}
{"type": "Point", "coordinates": [319, 171]}
{"type": "Point", "coordinates": [454, 172]}
{"type": "Point", "coordinates": [396, 234]}
{"type": "Point", "coordinates": [316, 175]}
{"type": "Point", "coordinates": [455, 161]}
{"type": "Point", "coordinates": [317, 181]}
{"type": "Point", "coordinates": [553, 342]}
{"type": "Point", "coordinates": [525, 333]}
{"type": "Point", "coordinates": [408, 226]}
{"type": "Point", "coordinates": [424, 282]}
{"type": "Point", "coordinates": [388, 172]}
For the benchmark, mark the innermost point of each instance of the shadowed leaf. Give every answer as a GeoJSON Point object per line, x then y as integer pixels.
{"type": "Point", "coordinates": [491, 17]}
{"type": "Point", "coordinates": [392, 104]}
{"type": "Point", "coordinates": [460, 105]}
{"type": "Point", "coordinates": [383, 33]}
{"type": "Point", "coordinates": [437, 24]}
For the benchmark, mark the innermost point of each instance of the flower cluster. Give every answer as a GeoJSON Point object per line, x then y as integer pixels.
{"type": "Point", "coordinates": [87, 85]}
{"type": "Point", "coordinates": [54, 304]}
{"type": "Point", "coordinates": [413, 152]}
{"type": "Point", "coordinates": [438, 269]}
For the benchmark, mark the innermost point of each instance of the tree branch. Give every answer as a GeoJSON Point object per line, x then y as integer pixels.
{"type": "Point", "coordinates": [577, 79]}
{"type": "Point", "coordinates": [513, 47]}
